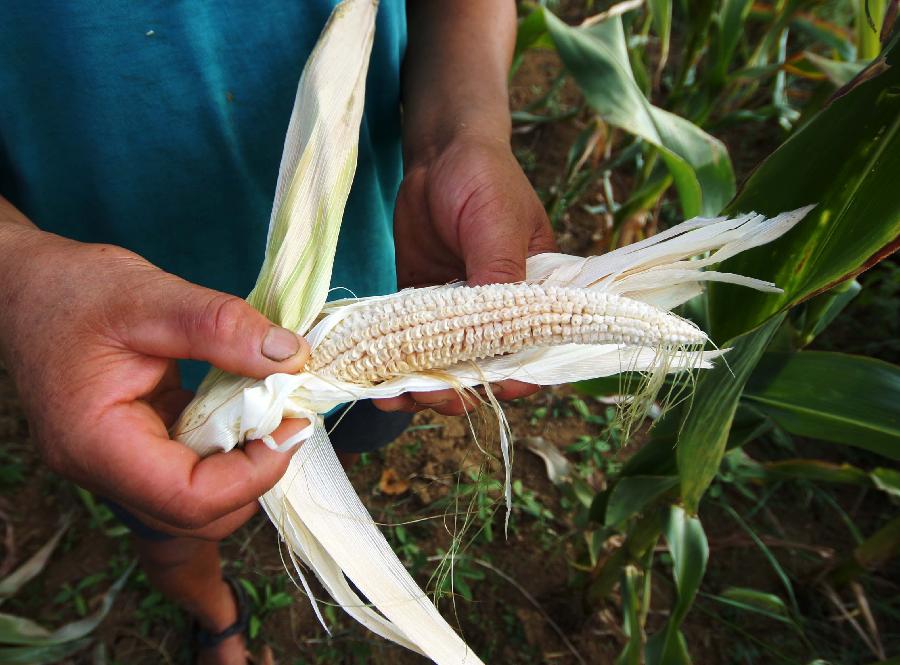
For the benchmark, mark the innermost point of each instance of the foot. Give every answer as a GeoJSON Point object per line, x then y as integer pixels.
{"type": "Point", "coordinates": [232, 650]}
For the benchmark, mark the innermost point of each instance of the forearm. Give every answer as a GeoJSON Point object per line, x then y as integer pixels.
{"type": "Point", "coordinates": [455, 72]}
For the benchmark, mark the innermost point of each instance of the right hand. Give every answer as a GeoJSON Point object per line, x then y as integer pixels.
{"type": "Point", "coordinates": [89, 334]}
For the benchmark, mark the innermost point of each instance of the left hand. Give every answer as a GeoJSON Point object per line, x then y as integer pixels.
{"type": "Point", "coordinates": [468, 212]}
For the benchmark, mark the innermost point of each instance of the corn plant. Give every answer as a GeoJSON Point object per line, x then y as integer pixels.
{"type": "Point", "coordinates": [731, 73]}
{"type": "Point", "coordinates": [844, 158]}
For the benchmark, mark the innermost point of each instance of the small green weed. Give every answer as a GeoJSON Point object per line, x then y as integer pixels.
{"type": "Point", "coordinates": [78, 594]}
{"type": "Point", "coordinates": [12, 468]}
{"type": "Point", "coordinates": [266, 598]}
{"type": "Point", "coordinates": [455, 578]}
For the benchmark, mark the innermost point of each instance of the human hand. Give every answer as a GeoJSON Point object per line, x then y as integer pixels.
{"type": "Point", "coordinates": [466, 212]}
{"type": "Point", "coordinates": [89, 335]}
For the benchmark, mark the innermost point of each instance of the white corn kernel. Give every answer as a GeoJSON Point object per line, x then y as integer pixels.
{"type": "Point", "coordinates": [430, 330]}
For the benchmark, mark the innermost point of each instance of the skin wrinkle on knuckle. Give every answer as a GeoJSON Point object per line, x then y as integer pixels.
{"type": "Point", "coordinates": [503, 269]}
{"type": "Point", "coordinates": [183, 508]}
{"type": "Point", "coordinates": [219, 319]}
{"type": "Point", "coordinates": [128, 309]}
{"type": "Point", "coordinates": [229, 313]}
{"type": "Point", "coordinates": [194, 515]}
{"type": "Point", "coordinates": [484, 203]}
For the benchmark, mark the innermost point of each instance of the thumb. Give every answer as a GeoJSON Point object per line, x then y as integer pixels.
{"type": "Point", "coordinates": [178, 319]}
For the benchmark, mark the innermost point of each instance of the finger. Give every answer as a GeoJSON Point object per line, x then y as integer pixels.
{"type": "Point", "coordinates": [399, 403]}
{"type": "Point", "coordinates": [216, 530]}
{"type": "Point", "coordinates": [169, 404]}
{"type": "Point", "coordinates": [168, 481]}
{"type": "Point", "coordinates": [542, 238]}
{"type": "Point", "coordinates": [168, 398]}
{"type": "Point", "coordinates": [445, 402]}
{"type": "Point", "coordinates": [496, 252]}
{"type": "Point", "coordinates": [512, 389]}
{"type": "Point", "coordinates": [448, 402]}
{"type": "Point", "coordinates": [189, 321]}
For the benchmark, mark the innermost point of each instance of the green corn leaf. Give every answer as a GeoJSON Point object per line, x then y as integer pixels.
{"type": "Point", "coordinates": [704, 433]}
{"type": "Point", "coordinates": [869, 17]}
{"type": "Point", "coordinates": [631, 622]}
{"type": "Point", "coordinates": [831, 35]}
{"type": "Point", "coordinates": [631, 495]}
{"type": "Point", "coordinates": [690, 553]}
{"type": "Point", "coordinates": [661, 15]}
{"type": "Point", "coordinates": [768, 602]}
{"type": "Point", "coordinates": [42, 655]}
{"type": "Point", "coordinates": [314, 178]}
{"type": "Point", "coordinates": [779, 19]}
{"type": "Point", "coordinates": [887, 480]}
{"type": "Point", "coordinates": [531, 32]}
{"type": "Point", "coordinates": [15, 630]}
{"type": "Point", "coordinates": [597, 57]}
{"type": "Point", "coordinates": [10, 584]}
{"type": "Point", "coordinates": [771, 558]}
{"type": "Point", "coordinates": [730, 23]}
{"type": "Point", "coordinates": [822, 310]}
{"type": "Point", "coordinates": [831, 396]}
{"type": "Point", "coordinates": [873, 553]}
{"type": "Point", "coordinates": [839, 72]}
{"type": "Point", "coordinates": [815, 470]}
{"type": "Point", "coordinates": [845, 159]}
{"type": "Point", "coordinates": [758, 602]}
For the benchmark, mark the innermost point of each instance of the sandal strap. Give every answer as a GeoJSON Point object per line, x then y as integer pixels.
{"type": "Point", "coordinates": [203, 639]}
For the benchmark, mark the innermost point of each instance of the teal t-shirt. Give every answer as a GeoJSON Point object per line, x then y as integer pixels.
{"type": "Point", "coordinates": [159, 126]}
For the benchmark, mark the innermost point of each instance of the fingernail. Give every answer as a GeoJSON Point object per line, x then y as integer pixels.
{"type": "Point", "coordinates": [280, 344]}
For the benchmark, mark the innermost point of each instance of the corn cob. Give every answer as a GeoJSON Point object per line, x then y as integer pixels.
{"type": "Point", "coordinates": [432, 329]}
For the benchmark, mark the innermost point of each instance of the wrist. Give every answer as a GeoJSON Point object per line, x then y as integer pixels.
{"type": "Point", "coordinates": [455, 75]}
{"type": "Point", "coordinates": [424, 138]}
